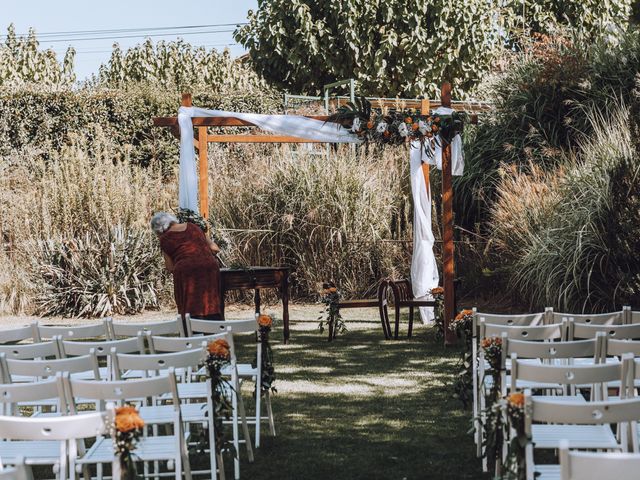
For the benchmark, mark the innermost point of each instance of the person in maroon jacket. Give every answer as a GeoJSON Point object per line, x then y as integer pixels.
{"type": "Point", "coordinates": [191, 257]}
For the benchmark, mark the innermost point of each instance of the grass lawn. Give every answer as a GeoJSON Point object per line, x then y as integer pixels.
{"type": "Point", "coordinates": [365, 408]}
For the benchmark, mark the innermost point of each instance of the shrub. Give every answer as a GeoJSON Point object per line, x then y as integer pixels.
{"type": "Point", "coordinates": [101, 273]}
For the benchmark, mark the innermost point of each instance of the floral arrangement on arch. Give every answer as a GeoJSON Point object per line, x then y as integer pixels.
{"type": "Point", "coordinates": [218, 357]}
{"type": "Point", "coordinates": [128, 428]}
{"type": "Point", "coordinates": [265, 323]}
{"type": "Point", "coordinates": [331, 316]}
{"type": "Point", "coordinates": [395, 127]}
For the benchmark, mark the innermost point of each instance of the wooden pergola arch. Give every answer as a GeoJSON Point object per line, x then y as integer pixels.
{"type": "Point", "coordinates": [203, 138]}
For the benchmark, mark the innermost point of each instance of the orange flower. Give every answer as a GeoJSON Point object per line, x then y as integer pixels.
{"type": "Point", "coordinates": [414, 127]}
{"type": "Point", "coordinates": [464, 313]}
{"type": "Point", "coordinates": [369, 124]}
{"type": "Point", "coordinates": [488, 341]}
{"type": "Point", "coordinates": [408, 120]}
{"type": "Point", "coordinates": [333, 290]}
{"type": "Point", "coordinates": [265, 320]}
{"type": "Point", "coordinates": [437, 291]}
{"type": "Point", "coordinates": [434, 128]}
{"type": "Point", "coordinates": [127, 419]}
{"type": "Point", "coordinates": [219, 348]}
{"type": "Point", "coordinates": [516, 399]}
{"type": "Point", "coordinates": [386, 133]}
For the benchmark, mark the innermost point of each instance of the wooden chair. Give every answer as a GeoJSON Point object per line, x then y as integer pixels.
{"type": "Point", "coordinates": [402, 297]}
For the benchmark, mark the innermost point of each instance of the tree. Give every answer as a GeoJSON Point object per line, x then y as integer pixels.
{"type": "Point", "coordinates": [402, 47]}
{"type": "Point", "coordinates": [22, 63]}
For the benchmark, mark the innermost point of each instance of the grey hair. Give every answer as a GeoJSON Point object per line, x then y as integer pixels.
{"type": "Point", "coordinates": [162, 221]}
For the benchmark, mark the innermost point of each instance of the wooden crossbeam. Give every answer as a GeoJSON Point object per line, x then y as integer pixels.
{"type": "Point", "coordinates": [257, 139]}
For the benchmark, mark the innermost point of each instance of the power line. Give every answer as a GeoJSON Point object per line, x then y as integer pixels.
{"type": "Point", "coordinates": [109, 51]}
{"type": "Point", "coordinates": [116, 37]}
{"type": "Point", "coordinates": [126, 30]}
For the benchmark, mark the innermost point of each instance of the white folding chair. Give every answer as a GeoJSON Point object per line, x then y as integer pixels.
{"type": "Point", "coordinates": [22, 352]}
{"type": "Point", "coordinates": [167, 327]}
{"type": "Point", "coordinates": [582, 425]}
{"type": "Point", "coordinates": [610, 318]}
{"type": "Point", "coordinates": [189, 353]}
{"type": "Point", "coordinates": [75, 332]}
{"type": "Point", "coordinates": [246, 371]}
{"type": "Point", "coordinates": [56, 437]}
{"type": "Point", "coordinates": [576, 465]}
{"type": "Point", "coordinates": [20, 334]}
{"type": "Point", "coordinates": [17, 472]}
{"type": "Point", "coordinates": [169, 448]}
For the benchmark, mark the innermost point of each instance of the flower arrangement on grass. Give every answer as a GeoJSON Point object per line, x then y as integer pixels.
{"type": "Point", "coordinates": [331, 316]}
{"type": "Point", "coordinates": [218, 357]}
{"type": "Point", "coordinates": [462, 325]}
{"type": "Point", "coordinates": [265, 323]}
{"type": "Point", "coordinates": [515, 466]}
{"type": "Point", "coordinates": [128, 429]}
{"type": "Point", "coordinates": [395, 127]}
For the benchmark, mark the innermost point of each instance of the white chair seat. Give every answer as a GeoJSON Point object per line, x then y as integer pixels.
{"type": "Point", "coordinates": [43, 452]}
{"type": "Point", "coordinates": [147, 449]}
{"type": "Point", "coordinates": [579, 436]}
{"type": "Point", "coordinates": [547, 472]}
{"type": "Point", "coordinates": [562, 398]}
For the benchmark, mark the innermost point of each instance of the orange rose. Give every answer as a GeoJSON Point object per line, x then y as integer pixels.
{"type": "Point", "coordinates": [265, 320]}
{"type": "Point", "coordinates": [408, 120]}
{"type": "Point", "coordinates": [333, 290]}
{"type": "Point", "coordinates": [369, 125]}
{"type": "Point", "coordinates": [434, 128]}
{"type": "Point", "coordinates": [386, 133]}
{"type": "Point", "coordinates": [487, 341]}
{"type": "Point", "coordinates": [437, 291]}
{"type": "Point", "coordinates": [414, 127]}
{"type": "Point", "coordinates": [127, 419]}
{"type": "Point", "coordinates": [219, 348]}
{"type": "Point", "coordinates": [516, 399]}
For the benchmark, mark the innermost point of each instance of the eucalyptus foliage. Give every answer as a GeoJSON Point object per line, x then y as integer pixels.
{"type": "Point", "coordinates": [21, 62]}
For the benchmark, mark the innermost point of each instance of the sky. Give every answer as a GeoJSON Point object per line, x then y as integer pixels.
{"type": "Point", "coordinates": [63, 16]}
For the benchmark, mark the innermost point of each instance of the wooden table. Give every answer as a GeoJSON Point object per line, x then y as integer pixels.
{"type": "Point", "coordinates": [255, 278]}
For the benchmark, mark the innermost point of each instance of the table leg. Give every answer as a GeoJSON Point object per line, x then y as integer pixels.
{"type": "Point", "coordinates": [284, 291]}
{"type": "Point", "coordinates": [222, 294]}
{"type": "Point", "coordinates": [256, 298]}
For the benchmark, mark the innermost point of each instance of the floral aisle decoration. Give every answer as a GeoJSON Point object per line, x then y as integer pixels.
{"type": "Point", "coordinates": [128, 429]}
{"type": "Point", "coordinates": [395, 126]}
{"type": "Point", "coordinates": [331, 316]}
{"type": "Point", "coordinates": [438, 311]}
{"type": "Point", "coordinates": [462, 325]}
{"type": "Point", "coordinates": [515, 465]}
{"type": "Point", "coordinates": [218, 357]}
{"type": "Point", "coordinates": [265, 323]}
{"type": "Point", "coordinates": [492, 417]}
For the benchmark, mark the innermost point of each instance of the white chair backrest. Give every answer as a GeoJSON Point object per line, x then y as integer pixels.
{"type": "Point", "coordinates": [13, 393]}
{"type": "Point", "coordinates": [33, 350]}
{"type": "Point", "coordinates": [634, 316]}
{"type": "Point", "coordinates": [159, 361]}
{"type": "Point", "coordinates": [56, 428]}
{"type": "Point", "coordinates": [590, 413]}
{"type": "Point", "coordinates": [530, 333]}
{"type": "Point", "coordinates": [76, 332]}
{"type": "Point", "coordinates": [195, 325]}
{"type": "Point", "coordinates": [169, 327]}
{"type": "Point", "coordinates": [48, 368]}
{"type": "Point", "coordinates": [549, 350]}
{"type": "Point", "coordinates": [582, 330]}
{"type": "Point", "coordinates": [179, 344]}
{"type": "Point", "coordinates": [577, 465]}
{"type": "Point", "coordinates": [610, 318]}
{"type": "Point", "coordinates": [121, 390]}
{"type": "Point", "coordinates": [28, 332]}
{"type": "Point", "coordinates": [526, 319]}
{"type": "Point", "coordinates": [103, 349]}
{"type": "Point", "coordinates": [564, 374]}
{"type": "Point", "coordinates": [619, 347]}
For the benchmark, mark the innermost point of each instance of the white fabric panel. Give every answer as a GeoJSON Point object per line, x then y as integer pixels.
{"type": "Point", "coordinates": [424, 270]}
{"type": "Point", "coordinates": [457, 152]}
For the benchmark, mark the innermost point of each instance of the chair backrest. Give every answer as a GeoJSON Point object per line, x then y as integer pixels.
{"type": "Point", "coordinates": [160, 361]}
{"type": "Point", "coordinates": [550, 350]}
{"type": "Point", "coordinates": [32, 350]}
{"type": "Point", "coordinates": [633, 316]}
{"type": "Point", "coordinates": [13, 393]}
{"type": "Point", "coordinates": [555, 331]}
{"type": "Point", "coordinates": [524, 320]}
{"type": "Point", "coordinates": [548, 410]}
{"type": "Point", "coordinates": [168, 327]}
{"type": "Point", "coordinates": [582, 330]}
{"type": "Point", "coordinates": [577, 465]}
{"type": "Point", "coordinates": [48, 368]}
{"type": "Point", "coordinates": [121, 390]}
{"type": "Point", "coordinates": [195, 325]}
{"type": "Point", "coordinates": [76, 332]}
{"type": "Point", "coordinates": [615, 347]}
{"type": "Point", "coordinates": [28, 332]}
{"type": "Point", "coordinates": [17, 472]}
{"type": "Point", "coordinates": [611, 318]}
{"type": "Point", "coordinates": [56, 428]}
{"type": "Point", "coordinates": [159, 344]}
{"type": "Point", "coordinates": [564, 374]}
{"type": "Point", "coordinates": [103, 348]}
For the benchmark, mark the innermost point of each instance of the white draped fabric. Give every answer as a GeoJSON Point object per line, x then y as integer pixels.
{"type": "Point", "coordinates": [424, 270]}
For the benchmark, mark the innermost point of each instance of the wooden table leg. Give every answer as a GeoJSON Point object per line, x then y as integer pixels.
{"type": "Point", "coordinates": [284, 291]}
{"type": "Point", "coordinates": [222, 294]}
